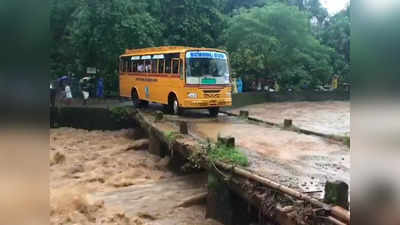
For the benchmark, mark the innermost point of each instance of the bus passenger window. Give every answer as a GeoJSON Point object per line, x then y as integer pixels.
{"type": "Point", "coordinates": [148, 66]}
{"type": "Point", "coordinates": [129, 65]}
{"type": "Point", "coordinates": [154, 65]}
{"type": "Point", "coordinates": [121, 65]}
{"type": "Point", "coordinates": [126, 65]}
{"type": "Point", "coordinates": [161, 63]}
{"type": "Point", "coordinates": [134, 66]}
{"type": "Point", "coordinates": [168, 66]}
{"type": "Point", "coordinates": [181, 69]}
{"type": "Point", "coordinates": [140, 66]}
{"type": "Point", "coordinates": [175, 66]}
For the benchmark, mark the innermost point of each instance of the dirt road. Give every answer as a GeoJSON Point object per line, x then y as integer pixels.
{"type": "Point", "coordinates": [91, 173]}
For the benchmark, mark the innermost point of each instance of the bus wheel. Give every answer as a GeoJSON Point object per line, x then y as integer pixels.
{"type": "Point", "coordinates": [213, 111]}
{"type": "Point", "coordinates": [135, 99]}
{"type": "Point", "coordinates": [174, 106]}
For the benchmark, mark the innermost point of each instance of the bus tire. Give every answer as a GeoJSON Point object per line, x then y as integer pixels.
{"type": "Point", "coordinates": [174, 107]}
{"type": "Point", "coordinates": [213, 111]}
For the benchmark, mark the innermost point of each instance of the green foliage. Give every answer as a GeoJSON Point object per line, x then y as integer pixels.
{"type": "Point", "coordinates": [220, 152]}
{"type": "Point", "coordinates": [194, 162]}
{"type": "Point", "coordinates": [119, 114]}
{"type": "Point", "coordinates": [265, 38]}
{"type": "Point", "coordinates": [171, 136]}
{"type": "Point", "coordinates": [212, 181]}
{"type": "Point", "coordinates": [276, 42]}
{"type": "Point", "coordinates": [94, 33]}
{"type": "Point", "coordinates": [336, 34]}
{"type": "Point", "coordinates": [193, 22]}
{"type": "Point", "coordinates": [346, 141]}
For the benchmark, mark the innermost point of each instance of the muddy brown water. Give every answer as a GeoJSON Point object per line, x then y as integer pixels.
{"type": "Point", "coordinates": [95, 178]}
{"type": "Point", "coordinates": [327, 117]}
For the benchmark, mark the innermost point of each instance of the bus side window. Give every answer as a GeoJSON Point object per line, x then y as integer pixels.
{"type": "Point", "coordinates": [168, 66]}
{"type": "Point", "coordinates": [129, 64]}
{"type": "Point", "coordinates": [154, 65]}
{"type": "Point", "coordinates": [126, 65]}
{"type": "Point", "coordinates": [140, 66]}
{"type": "Point", "coordinates": [147, 67]}
{"type": "Point", "coordinates": [161, 65]}
{"type": "Point", "coordinates": [181, 69]}
{"type": "Point", "coordinates": [134, 66]}
{"type": "Point", "coordinates": [121, 65]}
{"type": "Point", "coordinates": [175, 66]}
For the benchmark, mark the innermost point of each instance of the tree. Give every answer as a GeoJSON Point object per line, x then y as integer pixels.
{"type": "Point", "coordinates": [336, 34]}
{"type": "Point", "coordinates": [276, 42]}
{"type": "Point", "coordinates": [270, 38]}
{"type": "Point", "coordinates": [61, 55]}
{"type": "Point", "coordinates": [232, 5]}
{"type": "Point", "coordinates": [97, 32]}
{"type": "Point", "coordinates": [193, 22]}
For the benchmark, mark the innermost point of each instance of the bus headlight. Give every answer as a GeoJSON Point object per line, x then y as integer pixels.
{"type": "Point", "coordinates": [192, 95]}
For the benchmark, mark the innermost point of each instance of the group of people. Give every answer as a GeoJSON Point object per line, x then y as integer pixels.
{"type": "Point", "coordinates": [144, 68]}
{"type": "Point", "coordinates": [88, 86]}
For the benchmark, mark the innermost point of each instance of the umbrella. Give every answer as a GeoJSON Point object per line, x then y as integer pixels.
{"type": "Point", "coordinates": [62, 78]}
{"type": "Point", "coordinates": [84, 79]}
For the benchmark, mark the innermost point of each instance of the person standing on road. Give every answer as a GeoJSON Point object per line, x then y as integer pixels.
{"type": "Point", "coordinates": [52, 95]}
{"type": "Point", "coordinates": [68, 94]}
{"type": "Point", "coordinates": [100, 88]}
{"type": "Point", "coordinates": [85, 89]}
{"type": "Point", "coordinates": [239, 85]}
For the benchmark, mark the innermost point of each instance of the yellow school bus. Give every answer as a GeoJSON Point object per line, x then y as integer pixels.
{"type": "Point", "coordinates": [177, 77]}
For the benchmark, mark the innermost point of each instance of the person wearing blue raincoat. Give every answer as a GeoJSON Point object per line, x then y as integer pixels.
{"type": "Point", "coordinates": [100, 88]}
{"type": "Point", "coordinates": [239, 84]}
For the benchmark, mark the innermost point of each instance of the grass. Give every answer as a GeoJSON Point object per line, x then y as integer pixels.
{"type": "Point", "coordinates": [171, 136]}
{"type": "Point", "coordinates": [223, 153]}
{"type": "Point", "coordinates": [120, 114]}
{"type": "Point", "coordinates": [346, 141]}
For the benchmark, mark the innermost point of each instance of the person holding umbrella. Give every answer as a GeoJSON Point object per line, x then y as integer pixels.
{"type": "Point", "coordinates": [60, 91]}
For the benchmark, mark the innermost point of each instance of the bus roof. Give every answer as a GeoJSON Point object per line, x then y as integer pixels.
{"type": "Point", "coordinates": [166, 50]}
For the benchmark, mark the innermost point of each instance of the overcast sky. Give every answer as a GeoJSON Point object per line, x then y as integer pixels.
{"type": "Point", "coordinates": [334, 6]}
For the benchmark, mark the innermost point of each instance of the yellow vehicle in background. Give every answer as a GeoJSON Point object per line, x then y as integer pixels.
{"type": "Point", "coordinates": [177, 77]}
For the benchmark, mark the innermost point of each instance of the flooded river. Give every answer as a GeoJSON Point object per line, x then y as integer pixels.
{"type": "Point", "coordinates": [107, 177]}
{"type": "Point", "coordinates": [328, 117]}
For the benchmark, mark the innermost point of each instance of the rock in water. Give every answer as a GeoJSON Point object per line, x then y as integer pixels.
{"type": "Point", "coordinates": [141, 144]}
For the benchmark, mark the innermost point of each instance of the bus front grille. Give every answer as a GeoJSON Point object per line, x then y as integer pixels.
{"type": "Point", "coordinates": [211, 91]}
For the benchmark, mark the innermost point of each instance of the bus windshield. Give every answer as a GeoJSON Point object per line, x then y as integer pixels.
{"type": "Point", "coordinates": [204, 64]}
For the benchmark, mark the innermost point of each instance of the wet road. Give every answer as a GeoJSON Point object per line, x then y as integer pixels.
{"type": "Point", "coordinates": [303, 162]}
{"type": "Point", "coordinates": [296, 160]}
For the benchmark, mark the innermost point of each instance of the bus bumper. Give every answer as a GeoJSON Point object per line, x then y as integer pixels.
{"type": "Point", "coordinates": [207, 103]}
